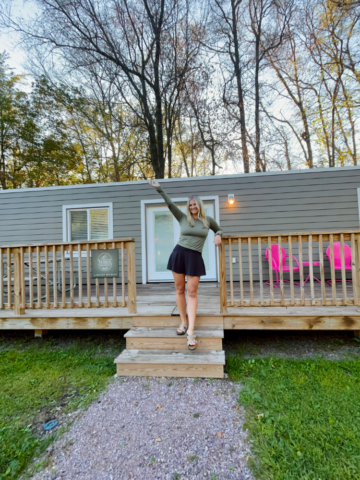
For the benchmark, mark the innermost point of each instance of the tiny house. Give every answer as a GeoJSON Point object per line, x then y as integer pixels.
{"type": "Point", "coordinates": [289, 259]}
{"type": "Point", "coordinates": [290, 201]}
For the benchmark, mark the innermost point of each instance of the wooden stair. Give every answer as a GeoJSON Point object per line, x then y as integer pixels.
{"type": "Point", "coordinates": [144, 338]}
{"type": "Point", "coordinates": [157, 351]}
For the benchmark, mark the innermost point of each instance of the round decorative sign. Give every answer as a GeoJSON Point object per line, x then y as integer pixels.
{"type": "Point", "coordinates": [105, 262]}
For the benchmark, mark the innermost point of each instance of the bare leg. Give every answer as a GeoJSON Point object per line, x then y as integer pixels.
{"type": "Point", "coordinates": [192, 288]}
{"type": "Point", "coordinates": [179, 279]}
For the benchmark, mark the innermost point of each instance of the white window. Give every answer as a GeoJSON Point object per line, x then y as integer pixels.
{"type": "Point", "coordinates": [87, 222]}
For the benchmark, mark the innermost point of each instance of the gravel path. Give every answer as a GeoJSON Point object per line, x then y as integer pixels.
{"type": "Point", "coordinates": [154, 428]}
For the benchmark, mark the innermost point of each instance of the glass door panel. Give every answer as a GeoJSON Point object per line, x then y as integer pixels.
{"type": "Point", "coordinates": [163, 232]}
{"type": "Point", "coordinates": [210, 251]}
{"type": "Point", "coordinates": [160, 242]}
{"type": "Point", "coordinates": [163, 240]}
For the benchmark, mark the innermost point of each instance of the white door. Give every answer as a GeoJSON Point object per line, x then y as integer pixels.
{"type": "Point", "coordinates": [163, 232]}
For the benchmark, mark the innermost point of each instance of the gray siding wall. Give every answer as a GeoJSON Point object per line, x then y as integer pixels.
{"type": "Point", "coordinates": [273, 202]}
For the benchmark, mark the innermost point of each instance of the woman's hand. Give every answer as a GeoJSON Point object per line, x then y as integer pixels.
{"type": "Point", "coordinates": [217, 240]}
{"type": "Point", "coordinates": [154, 183]}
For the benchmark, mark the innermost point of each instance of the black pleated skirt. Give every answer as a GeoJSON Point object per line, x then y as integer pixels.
{"type": "Point", "coordinates": [186, 261]}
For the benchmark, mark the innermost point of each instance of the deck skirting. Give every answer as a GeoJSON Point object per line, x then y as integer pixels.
{"type": "Point", "coordinates": [265, 318]}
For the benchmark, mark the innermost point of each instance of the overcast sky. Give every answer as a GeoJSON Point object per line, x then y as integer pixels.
{"type": "Point", "coordinates": [9, 41]}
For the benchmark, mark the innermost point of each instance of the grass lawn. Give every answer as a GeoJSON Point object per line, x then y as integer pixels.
{"type": "Point", "coordinates": [309, 411]}
{"type": "Point", "coordinates": [46, 379]}
{"type": "Point", "coordinates": [303, 416]}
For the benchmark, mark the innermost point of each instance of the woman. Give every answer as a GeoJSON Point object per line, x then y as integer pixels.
{"type": "Point", "coordinates": [186, 259]}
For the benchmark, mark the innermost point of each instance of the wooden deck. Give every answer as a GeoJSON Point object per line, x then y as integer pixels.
{"type": "Point", "coordinates": [156, 304]}
{"type": "Point", "coordinates": [49, 299]}
{"type": "Point", "coordinates": [152, 346]}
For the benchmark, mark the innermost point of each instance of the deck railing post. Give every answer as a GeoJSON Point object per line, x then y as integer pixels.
{"type": "Point", "coordinates": [18, 308]}
{"type": "Point", "coordinates": [222, 265]}
{"type": "Point", "coordinates": [131, 274]}
{"type": "Point", "coordinates": [357, 268]}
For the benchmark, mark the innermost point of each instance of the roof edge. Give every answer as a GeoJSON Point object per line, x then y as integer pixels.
{"type": "Point", "coordinates": [207, 177]}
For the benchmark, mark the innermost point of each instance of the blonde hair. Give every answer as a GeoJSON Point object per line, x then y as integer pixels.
{"type": "Point", "coordinates": [201, 211]}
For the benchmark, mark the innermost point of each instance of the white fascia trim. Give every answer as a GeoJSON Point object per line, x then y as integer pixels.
{"type": "Point", "coordinates": [65, 208]}
{"type": "Point", "coordinates": [143, 241]}
{"type": "Point", "coordinates": [165, 180]}
{"type": "Point", "coordinates": [144, 204]}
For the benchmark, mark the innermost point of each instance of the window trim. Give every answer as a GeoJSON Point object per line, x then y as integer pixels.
{"type": "Point", "coordinates": [66, 217]}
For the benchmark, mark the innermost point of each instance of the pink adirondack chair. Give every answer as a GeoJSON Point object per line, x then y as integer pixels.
{"type": "Point", "coordinates": [337, 259]}
{"type": "Point", "coordinates": [276, 262]}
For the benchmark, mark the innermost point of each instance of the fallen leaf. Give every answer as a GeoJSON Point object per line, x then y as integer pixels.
{"type": "Point", "coordinates": [246, 374]}
{"type": "Point", "coordinates": [260, 415]}
{"type": "Point", "coordinates": [247, 458]}
{"type": "Point", "coordinates": [223, 421]}
{"type": "Point", "coordinates": [238, 407]}
{"type": "Point", "coordinates": [157, 440]}
{"type": "Point", "coordinates": [158, 407]}
{"type": "Point", "coordinates": [272, 366]}
{"type": "Point", "coordinates": [220, 434]}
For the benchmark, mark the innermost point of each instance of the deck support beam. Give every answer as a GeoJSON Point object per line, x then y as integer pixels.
{"type": "Point", "coordinates": [40, 333]}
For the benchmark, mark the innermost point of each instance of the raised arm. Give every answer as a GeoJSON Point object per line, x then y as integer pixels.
{"type": "Point", "coordinates": [178, 214]}
{"type": "Point", "coordinates": [217, 230]}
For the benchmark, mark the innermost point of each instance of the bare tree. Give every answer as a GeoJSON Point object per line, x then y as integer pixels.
{"type": "Point", "coordinates": [206, 110]}
{"type": "Point", "coordinates": [289, 65]}
{"type": "Point", "coordinates": [269, 21]}
{"type": "Point", "coordinates": [325, 34]}
{"type": "Point", "coordinates": [130, 40]}
{"type": "Point", "coordinates": [226, 41]}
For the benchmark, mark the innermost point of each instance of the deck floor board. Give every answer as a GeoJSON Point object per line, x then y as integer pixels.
{"type": "Point", "coordinates": [156, 306]}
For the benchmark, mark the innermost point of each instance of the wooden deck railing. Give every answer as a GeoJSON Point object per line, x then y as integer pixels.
{"type": "Point", "coordinates": [246, 278]}
{"type": "Point", "coordinates": [58, 275]}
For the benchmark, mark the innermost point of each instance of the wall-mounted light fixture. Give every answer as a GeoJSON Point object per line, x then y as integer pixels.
{"type": "Point", "coordinates": [231, 199]}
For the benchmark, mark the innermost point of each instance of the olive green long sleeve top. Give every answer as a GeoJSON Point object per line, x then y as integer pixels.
{"type": "Point", "coordinates": [190, 237]}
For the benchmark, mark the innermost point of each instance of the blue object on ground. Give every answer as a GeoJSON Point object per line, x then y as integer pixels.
{"type": "Point", "coordinates": [51, 424]}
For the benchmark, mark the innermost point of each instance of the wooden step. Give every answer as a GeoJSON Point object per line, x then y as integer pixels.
{"type": "Point", "coordinates": [174, 321]}
{"type": "Point", "coordinates": [153, 338]}
{"type": "Point", "coordinates": [164, 363]}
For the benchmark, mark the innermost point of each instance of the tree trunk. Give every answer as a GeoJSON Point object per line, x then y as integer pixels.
{"type": "Point", "coordinates": [287, 156]}
{"type": "Point", "coordinates": [257, 103]}
{"type": "Point", "coordinates": [3, 166]}
{"type": "Point", "coordinates": [160, 160]}
{"type": "Point", "coordinates": [238, 75]}
{"type": "Point", "coordinates": [298, 101]}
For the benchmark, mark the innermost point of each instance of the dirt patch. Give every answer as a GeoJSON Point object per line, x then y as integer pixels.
{"type": "Point", "coordinates": [44, 415]}
{"type": "Point", "coordinates": [294, 344]}
{"type": "Point", "coordinates": [59, 412]}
